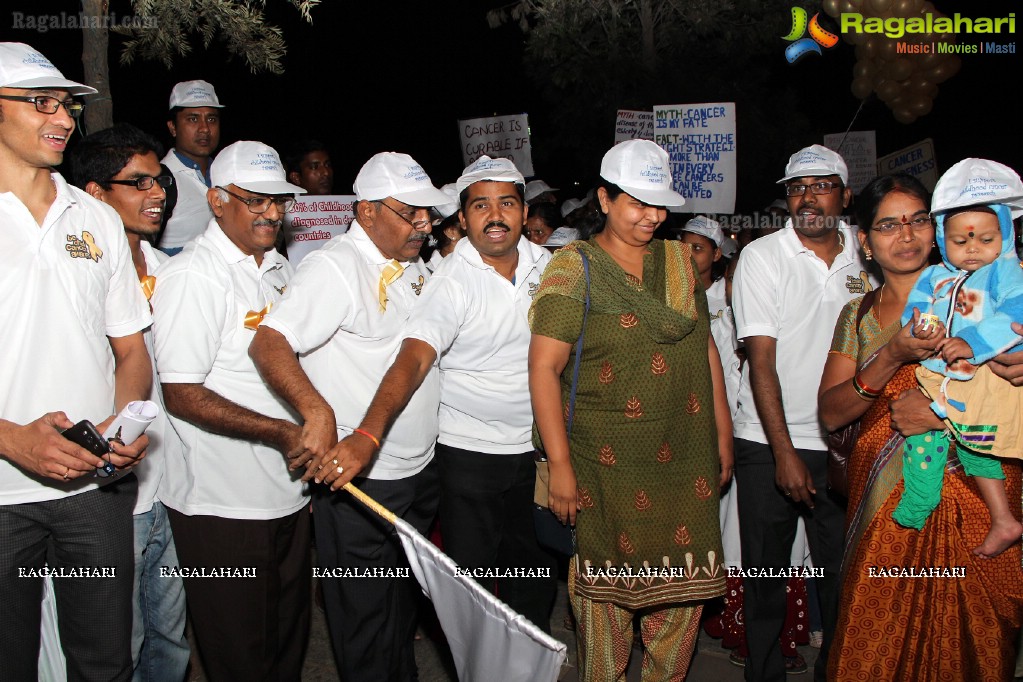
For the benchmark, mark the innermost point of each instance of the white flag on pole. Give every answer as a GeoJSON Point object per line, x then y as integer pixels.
{"type": "Point", "coordinates": [488, 640]}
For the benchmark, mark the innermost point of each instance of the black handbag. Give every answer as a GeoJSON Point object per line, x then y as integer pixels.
{"type": "Point", "coordinates": [550, 532]}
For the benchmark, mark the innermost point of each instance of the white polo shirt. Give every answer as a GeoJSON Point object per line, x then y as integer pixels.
{"type": "Point", "coordinates": [477, 322]}
{"type": "Point", "coordinates": [783, 290]}
{"type": "Point", "coordinates": [202, 297]}
{"type": "Point", "coordinates": [191, 212]}
{"type": "Point", "coordinates": [722, 330]}
{"type": "Point", "coordinates": [70, 284]}
{"type": "Point", "coordinates": [331, 317]}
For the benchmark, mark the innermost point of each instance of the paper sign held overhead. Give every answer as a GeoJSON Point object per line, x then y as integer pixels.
{"type": "Point", "coordinates": [700, 141]}
{"type": "Point", "coordinates": [314, 221]}
{"type": "Point", "coordinates": [634, 125]}
{"type": "Point", "coordinates": [917, 160]}
{"type": "Point", "coordinates": [505, 137]}
{"type": "Point", "coordinates": [859, 149]}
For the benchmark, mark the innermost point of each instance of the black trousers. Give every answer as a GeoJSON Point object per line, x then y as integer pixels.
{"type": "Point", "coordinates": [767, 528]}
{"type": "Point", "coordinates": [486, 521]}
{"type": "Point", "coordinates": [94, 533]}
{"type": "Point", "coordinates": [372, 620]}
{"type": "Point", "coordinates": [253, 627]}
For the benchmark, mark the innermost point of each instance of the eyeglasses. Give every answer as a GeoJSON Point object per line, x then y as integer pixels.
{"type": "Point", "coordinates": [259, 205]}
{"type": "Point", "coordinates": [890, 228]}
{"type": "Point", "coordinates": [49, 105]}
{"type": "Point", "coordinates": [408, 215]}
{"type": "Point", "coordinates": [145, 182]}
{"type": "Point", "coordinates": [822, 187]}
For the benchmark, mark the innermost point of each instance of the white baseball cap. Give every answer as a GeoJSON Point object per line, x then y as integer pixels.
{"type": "Point", "coordinates": [535, 188]}
{"type": "Point", "coordinates": [448, 210]}
{"type": "Point", "coordinates": [816, 161]}
{"type": "Point", "coordinates": [194, 94]}
{"type": "Point", "coordinates": [560, 237]}
{"type": "Point", "coordinates": [571, 205]}
{"type": "Point", "coordinates": [704, 226]}
{"type": "Point", "coordinates": [397, 175]}
{"type": "Point", "coordinates": [642, 169]}
{"type": "Point", "coordinates": [978, 182]}
{"type": "Point", "coordinates": [21, 66]}
{"type": "Point", "coordinates": [253, 166]}
{"type": "Point", "coordinates": [486, 168]}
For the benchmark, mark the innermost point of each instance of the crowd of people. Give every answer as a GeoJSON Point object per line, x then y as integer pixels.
{"type": "Point", "coordinates": [680, 390]}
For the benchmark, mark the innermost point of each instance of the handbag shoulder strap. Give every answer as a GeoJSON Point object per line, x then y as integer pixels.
{"type": "Point", "coordinates": [865, 305]}
{"type": "Point", "coordinates": [579, 344]}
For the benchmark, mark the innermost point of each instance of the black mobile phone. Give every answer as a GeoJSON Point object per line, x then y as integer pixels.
{"type": "Point", "coordinates": [84, 433]}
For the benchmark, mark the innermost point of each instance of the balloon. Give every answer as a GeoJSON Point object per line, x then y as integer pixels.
{"type": "Point", "coordinates": [943, 71]}
{"type": "Point", "coordinates": [907, 8]}
{"type": "Point", "coordinates": [886, 48]}
{"type": "Point", "coordinates": [849, 6]}
{"type": "Point", "coordinates": [854, 38]}
{"type": "Point", "coordinates": [924, 87]}
{"type": "Point", "coordinates": [904, 116]}
{"type": "Point", "coordinates": [898, 102]}
{"type": "Point", "coordinates": [832, 8]}
{"type": "Point", "coordinates": [861, 88]}
{"type": "Point", "coordinates": [900, 69]}
{"type": "Point", "coordinates": [863, 69]}
{"type": "Point", "coordinates": [870, 46]}
{"type": "Point", "coordinates": [921, 106]}
{"type": "Point", "coordinates": [926, 61]}
{"type": "Point", "coordinates": [954, 64]}
{"type": "Point", "coordinates": [879, 6]}
{"type": "Point", "coordinates": [887, 90]}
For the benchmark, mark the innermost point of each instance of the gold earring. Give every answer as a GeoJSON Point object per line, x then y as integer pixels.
{"type": "Point", "coordinates": [870, 255]}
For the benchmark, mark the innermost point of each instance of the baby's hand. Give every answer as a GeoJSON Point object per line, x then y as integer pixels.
{"type": "Point", "coordinates": [954, 348]}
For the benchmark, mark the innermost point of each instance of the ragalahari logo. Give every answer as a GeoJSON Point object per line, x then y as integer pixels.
{"type": "Point", "coordinates": [801, 46]}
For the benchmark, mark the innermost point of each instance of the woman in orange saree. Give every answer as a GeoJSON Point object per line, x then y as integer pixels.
{"type": "Point", "coordinates": [915, 605]}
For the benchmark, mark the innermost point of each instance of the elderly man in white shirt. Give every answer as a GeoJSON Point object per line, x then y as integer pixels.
{"type": "Point", "coordinates": [372, 280]}
{"type": "Point", "coordinates": [473, 324]}
{"type": "Point", "coordinates": [240, 517]}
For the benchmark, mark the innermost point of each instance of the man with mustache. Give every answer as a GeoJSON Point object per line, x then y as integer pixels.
{"type": "Point", "coordinates": [120, 166]}
{"type": "Point", "coordinates": [240, 517]}
{"type": "Point", "coordinates": [788, 291]}
{"type": "Point", "coordinates": [473, 325]}
{"type": "Point", "coordinates": [194, 123]}
{"type": "Point", "coordinates": [345, 314]}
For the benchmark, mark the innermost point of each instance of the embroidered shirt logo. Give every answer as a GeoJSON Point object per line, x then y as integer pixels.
{"type": "Point", "coordinates": [83, 247]}
{"type": "Point", "coordinates": [418, 285]}
{"type": "Point", "coordinates": [858, 285]}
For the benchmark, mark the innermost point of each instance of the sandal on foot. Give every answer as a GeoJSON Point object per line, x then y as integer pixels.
{"type": "Point", "coordinates": [795, 665]}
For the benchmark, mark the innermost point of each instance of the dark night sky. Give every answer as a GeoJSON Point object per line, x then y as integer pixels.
{"type": "Point", "coordinates": [375, 76]}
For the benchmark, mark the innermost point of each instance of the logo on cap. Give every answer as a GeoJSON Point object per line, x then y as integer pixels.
{"type": "Point", "coordinates": [39, 60]}
{"type": "Point", "coordinates": [416, 173]}
{"type": "Point", "coordinates": [654, 174]}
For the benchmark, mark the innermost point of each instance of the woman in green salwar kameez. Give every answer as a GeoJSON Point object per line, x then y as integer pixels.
{"type": "Point", "coordinates": [651, 433]}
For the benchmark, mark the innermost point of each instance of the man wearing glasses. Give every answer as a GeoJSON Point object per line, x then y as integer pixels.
{"type": "Point", "coordinates": [345, 314]}
{"type": "Point", "coordinates": [789, 288]}
{"type": "Point", "coordinates": [120, 166]}
{"type": "Point", "coordinates": [240, 517]}
{"type": "Point", "coordinates": [193, 120]}
{"type": "Point", "coordinates": [72, 333]}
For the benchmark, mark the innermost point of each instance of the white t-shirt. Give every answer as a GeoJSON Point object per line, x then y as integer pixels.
{"type": "Point", "coordinates": [331, 316]}
{"type": "Point", "coordinates": [477, 322]}
{"type": "Point", "coordinates": [191, 212]}
{"type": "Point", "coordinates": [722, 330]}
{"type": "Point", "coordinates": [202, 297]}
{"type": "Point", "coordinates": [783, 290]}
{"type": "Point", "coordinates": [70, 284]}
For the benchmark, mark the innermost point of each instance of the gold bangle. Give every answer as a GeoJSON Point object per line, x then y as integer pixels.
{"type": "Point", "coordinates": [369, 435]}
